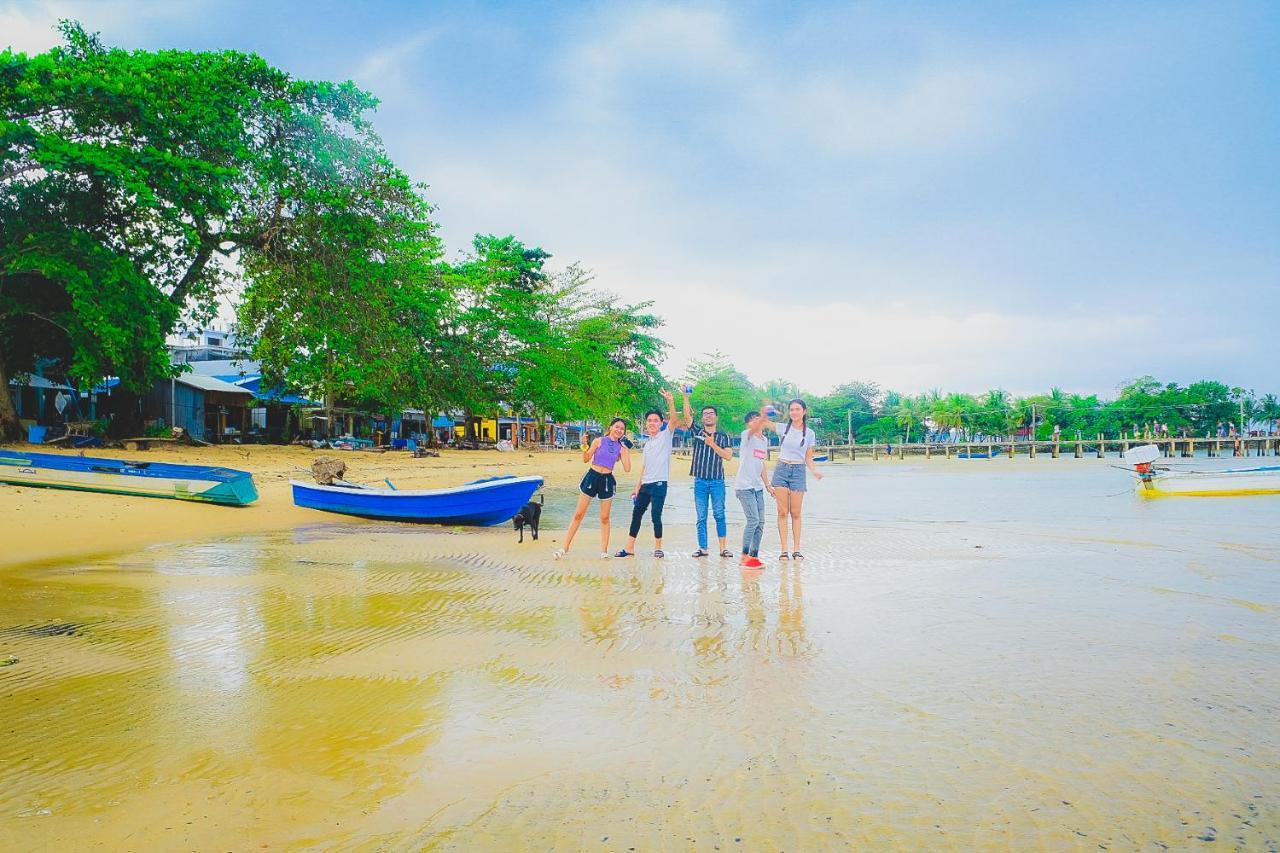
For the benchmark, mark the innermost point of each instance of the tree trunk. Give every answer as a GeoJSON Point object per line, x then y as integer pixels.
{"type": "Point", "coordinates": [10, 429]}
{"type": "Point", "coordinates": [127, 422]}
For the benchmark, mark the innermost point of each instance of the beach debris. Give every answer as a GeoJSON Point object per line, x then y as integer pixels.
{"type": "Point", "coordinates": [9, 661]}
{"type": "Point", "coordinates": [326, 469]}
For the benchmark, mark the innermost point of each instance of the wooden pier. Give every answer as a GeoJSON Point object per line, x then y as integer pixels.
{"type": "Point", "coordinates": [1101, 448]}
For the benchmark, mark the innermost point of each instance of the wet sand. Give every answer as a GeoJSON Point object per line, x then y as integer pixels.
{"type": "Point", "coordinates": [961, 662]}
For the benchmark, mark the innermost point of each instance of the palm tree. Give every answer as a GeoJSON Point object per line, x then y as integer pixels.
{"type": "Point", "coordinates": [908, 412]}
{"type": "Point", "coordinates": [779, 391]}
{"type": "Point", "coordinates": [1015, 415]}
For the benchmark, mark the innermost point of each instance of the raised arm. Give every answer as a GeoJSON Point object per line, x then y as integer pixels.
{"type": "Point", "coordinates": [591, 449]}
{"type": "Point", "coordinates": [769, 423]}
{"type": "Point", "coordinates": [626, 459]}
{"type": "Point", "coordinates": [688, 411]}
{"type": "Point", "coordinates": [672, 423]}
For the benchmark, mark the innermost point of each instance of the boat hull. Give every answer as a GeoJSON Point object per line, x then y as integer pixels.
{"type": "Point", "coordinates": [1212, 484]}
{"type": "Point", "coordinates": [483, 503]}
{"type": "Point", "coordinates": [201, 483]}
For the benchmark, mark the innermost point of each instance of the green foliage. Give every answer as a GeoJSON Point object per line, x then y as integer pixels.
{"type": "Point", "coordinates": [716, 383]}
{"type": "Point", "coordinates": [127, 177]}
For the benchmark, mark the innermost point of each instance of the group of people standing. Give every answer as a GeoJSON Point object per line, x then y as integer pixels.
{"type": "Point", "coordinates": [711, 449]}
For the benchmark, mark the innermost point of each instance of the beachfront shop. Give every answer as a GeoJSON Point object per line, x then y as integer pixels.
{"type": "Point", "coordinates": [208, 408]}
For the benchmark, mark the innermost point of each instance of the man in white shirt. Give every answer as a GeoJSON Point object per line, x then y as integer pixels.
{"type": "Point", "coordinates": [655, 470]}
{"type": "Point", "coordinates": [750, 485]}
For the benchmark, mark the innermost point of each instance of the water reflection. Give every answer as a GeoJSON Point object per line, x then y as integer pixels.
{"type": "Point", "coordinates": [357, 687]}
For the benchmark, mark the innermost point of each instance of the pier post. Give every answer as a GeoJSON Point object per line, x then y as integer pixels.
{"type": "Point", "coordinates": [1102, 447]}
{"type": "Point", "coordinates": [875, 450]}
{"type": "Point", "coordinates": [947, 449]}
{"type": "Point", "coordinates": [902, 450]}
{"type": "Point", "coordinates": [991, 451]}
{"type": "Point", "coordinates": [1011, 448]}
{"type": "Point", "coordinates": [1031, 451]}
{"type": "Point", "coordinates": [928, 451]}
{"type": "Point", "coordinates": [1056, 449]}
{"type": "Point", "coordinates": [1079, 449]}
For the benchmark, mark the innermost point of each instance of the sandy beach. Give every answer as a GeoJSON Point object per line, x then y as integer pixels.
{"type": "Point", "coordinates": [973, 656]}
{"type": "Point", "coordinates": [49, 524]}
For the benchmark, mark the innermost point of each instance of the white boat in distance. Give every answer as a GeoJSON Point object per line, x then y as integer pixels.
{"type": "Point", "coordinates": [1154, 482]}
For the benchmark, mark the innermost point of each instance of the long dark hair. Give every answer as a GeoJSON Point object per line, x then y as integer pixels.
{"type": "Point", "coordinates": [804, 421]}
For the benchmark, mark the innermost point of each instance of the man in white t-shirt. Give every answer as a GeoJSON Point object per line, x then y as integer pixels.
{"type": "Point", "coordinates": [750, 485]}
{"type": "Point", "coordinates": [655, 470]}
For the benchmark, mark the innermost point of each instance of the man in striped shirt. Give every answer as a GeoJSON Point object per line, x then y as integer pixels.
{"type": "Point", "coordinates": [710, 450]}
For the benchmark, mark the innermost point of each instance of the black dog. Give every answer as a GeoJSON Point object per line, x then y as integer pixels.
{"type": "Point", "coordinates": [530, 514]}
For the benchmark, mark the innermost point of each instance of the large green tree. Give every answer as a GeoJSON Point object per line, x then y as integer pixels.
{"type": "Point", "coordinates": [126, 180]}
{"type": "Point", "coordinates": [345, 302]}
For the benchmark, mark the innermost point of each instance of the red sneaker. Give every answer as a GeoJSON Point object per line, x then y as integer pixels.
{"type": "Point", "coordinates": [753, 563]}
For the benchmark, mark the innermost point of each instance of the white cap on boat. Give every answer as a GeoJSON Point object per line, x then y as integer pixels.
{"type": "Point", "coordinates": [1142, 453]}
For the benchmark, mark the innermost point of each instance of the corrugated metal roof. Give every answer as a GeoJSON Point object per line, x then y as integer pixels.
{"type": "Point", "coordinates": [34, 381]}
{"type": "Point", "coordinates": [210, 383]}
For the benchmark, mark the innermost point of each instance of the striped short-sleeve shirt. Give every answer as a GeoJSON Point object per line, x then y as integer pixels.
{"type": "Point", "coordinates": [706, 465]}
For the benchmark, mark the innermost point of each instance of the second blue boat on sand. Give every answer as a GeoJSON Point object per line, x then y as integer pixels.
{"type": "Point", "coordinates": [481, 502]}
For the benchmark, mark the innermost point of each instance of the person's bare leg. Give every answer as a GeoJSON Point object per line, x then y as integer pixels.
{"type": "Point", "coordinates": [579, 512]}
{"type": "Point", "coordinates": [783, 499]}
{"type": "Point", "coordinates": [797, 502]}
{"type": "Point", "coordinates": [606, 508]}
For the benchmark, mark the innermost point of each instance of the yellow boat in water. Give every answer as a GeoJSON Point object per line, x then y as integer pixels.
{"type": "Point", "coordinates": [1154, 482]}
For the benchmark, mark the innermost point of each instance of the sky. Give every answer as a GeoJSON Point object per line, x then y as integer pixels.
{"type": "Point", "coordinates": [925, 195]}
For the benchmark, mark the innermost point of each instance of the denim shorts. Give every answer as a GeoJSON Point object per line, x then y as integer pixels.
{"type": "Point", "coordinates": [788, 476]}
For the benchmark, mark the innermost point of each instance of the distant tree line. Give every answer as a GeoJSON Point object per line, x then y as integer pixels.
{"type": "Point", "coordinates": [876, 415]}
{"type": "Point", "coordinates": [138, 189]}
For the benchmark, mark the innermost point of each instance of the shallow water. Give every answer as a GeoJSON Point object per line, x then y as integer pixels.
{"type": "Point", "coordinates": [978, 656]}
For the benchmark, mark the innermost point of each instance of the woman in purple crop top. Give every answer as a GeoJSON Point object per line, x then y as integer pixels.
{"type": "Point", "coordinates": [603, 454]}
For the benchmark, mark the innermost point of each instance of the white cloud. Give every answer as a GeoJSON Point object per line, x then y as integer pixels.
{"type": "Point", "coordinates": [384, 66]}
{"type": "Point", "coordinates": [756, 98]}
{"type": "Point", "coordinates": [31, 27]}
{"type": "Point", "coordinates": [28, 28]}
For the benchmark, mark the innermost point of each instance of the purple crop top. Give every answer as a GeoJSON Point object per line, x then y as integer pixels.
{"type": "Point", "coordinates": [606, 455]}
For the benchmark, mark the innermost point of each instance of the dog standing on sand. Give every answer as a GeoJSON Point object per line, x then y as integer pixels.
{"type": "Point", "coordinates": [530, 514]}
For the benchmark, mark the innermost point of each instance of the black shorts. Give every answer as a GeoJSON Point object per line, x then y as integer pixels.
{"type": "Point", "coordinates": [597, 485]}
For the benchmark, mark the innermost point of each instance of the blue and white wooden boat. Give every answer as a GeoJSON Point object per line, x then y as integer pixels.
{"type": "Point", "coordinates": [207, 483]}
{"type": "Point", "coordinates": [480, 502]}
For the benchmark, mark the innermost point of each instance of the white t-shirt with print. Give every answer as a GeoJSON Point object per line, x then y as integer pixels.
{"type": "Point", "coordinates": [790, 448]}
{"type": "Point", "coordinates": [657, 457]}
{"type": "Point", "coordinates": [754, 452]}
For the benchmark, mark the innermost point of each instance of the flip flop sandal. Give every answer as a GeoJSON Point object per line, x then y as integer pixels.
{"type": "Point", "coordinates": [784, 556]}
{"type": "Point", "coordinates": [726, 553]}
{"type": "Point", "coordinates": [623, 553]}
{"type": "Point", "coordinates": [700, 553]}
{"type": "Point", "coordinates": [796, 555]}
{"type": "Point", "coordinates": [559, 554]}
{"type": "Point", "coordinates": [659, 554]}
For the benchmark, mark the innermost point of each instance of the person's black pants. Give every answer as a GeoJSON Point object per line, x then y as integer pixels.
{"type": "Point", "coordinates": [650, 495]}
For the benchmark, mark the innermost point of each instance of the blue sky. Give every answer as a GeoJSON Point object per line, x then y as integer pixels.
{"type": "Point", "coordinates": [953, 195]}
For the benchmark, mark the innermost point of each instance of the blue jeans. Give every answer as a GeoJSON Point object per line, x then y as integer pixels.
{"type": "Point", "coordinates": [713, 489]}
{"type": "Point", "coordinates": [753, 509]}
